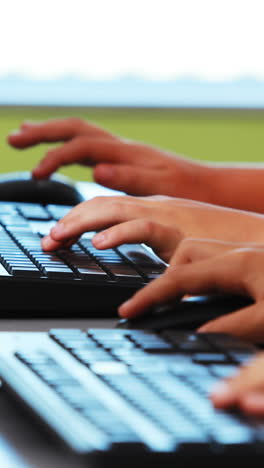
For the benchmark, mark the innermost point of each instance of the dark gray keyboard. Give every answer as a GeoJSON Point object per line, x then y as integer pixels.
{"type": "Point", "coordinates": [23, 262]}
{"type": "Point", "coordinates": [130, 392]}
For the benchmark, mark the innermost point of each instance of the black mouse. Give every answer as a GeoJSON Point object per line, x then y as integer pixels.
{"type": "Point", "coordinates": [187, 314]}
{"type": "Point", "coordinates": [21, 187]}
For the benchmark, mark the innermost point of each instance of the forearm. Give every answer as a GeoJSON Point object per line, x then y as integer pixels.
{"type": "Point", "coordinates": [240, 187]}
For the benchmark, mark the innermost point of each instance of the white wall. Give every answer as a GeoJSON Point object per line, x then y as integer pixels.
{"type": "Point", "coordinates": [208, 39]}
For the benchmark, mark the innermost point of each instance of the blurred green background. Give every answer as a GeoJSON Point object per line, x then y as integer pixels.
{"type": "Point", "coordinates": [210, 135]}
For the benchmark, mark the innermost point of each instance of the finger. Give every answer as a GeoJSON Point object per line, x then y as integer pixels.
{"type": "Point", "coordinates": [29, 124]}
{"type": "Point", "coordinates": [162, 239]}
{"type": "Point", "coordinates": [246, 323]}
{"type": "Point", "coordinates": [102, 212]}
{"type": "Point", "coordinates": [52, 131]}
{"type": "Point", "coordinates": [157, 292]}
{"type": "Point", "coordinates": [122, 204]}
{"type": "Point", "coordinates": [84, 149]}
{"type": "Point", "coordinates": [96, 214]}
{"type": "Point", "coordinates": [248, 379]}
{"type": "Point", "coordinates": [49, 244]}
{"type": "Point", "coordinates": [101, 205]}
{"type": "Point", "coordinates": [253, 403]}
{"type": "Point", "coordinates": [207, 276]}
{"type": "Point", "coordinates": [131, 179]}
{"type": "Point", "coordinates": [193, 250]}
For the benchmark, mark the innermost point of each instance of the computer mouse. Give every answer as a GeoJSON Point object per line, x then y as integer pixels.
{"type": "Point", "coordinates": [21, 187]}
{"type": "Point", "coordinates": [187, 314]}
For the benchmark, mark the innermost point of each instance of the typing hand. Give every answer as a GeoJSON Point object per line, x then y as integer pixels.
{"type": "Point", "coordinates": [204, 267]}
{"type": "Point", "coordinates": [127, 219]}
{"type": "Point", "coordinates": [245, 389]}
{"type": "Point", "coordinates": [134, 168]}
{"type": "Point", "coordinates": [134, 219]}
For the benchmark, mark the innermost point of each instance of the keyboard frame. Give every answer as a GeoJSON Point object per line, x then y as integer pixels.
{"type": "Point", "coordinates": [67, 297]}
{"type": "Point", "coordinates": [41, 297]}
{"type": "Point", "coordinates": [13, 371]}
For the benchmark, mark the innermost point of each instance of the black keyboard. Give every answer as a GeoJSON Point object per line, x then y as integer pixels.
{"type": "Point", "coordinates": [112, 392]}
{"type": "Point", "coordinates": [80, 281]}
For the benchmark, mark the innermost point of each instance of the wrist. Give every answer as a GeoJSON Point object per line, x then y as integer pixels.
{"type": "Point", "coordinates": [252, 227]}
{"type": "Point", "coordinates": [201, 183]}
{"type": "Point", "coordinates": [221, 187]}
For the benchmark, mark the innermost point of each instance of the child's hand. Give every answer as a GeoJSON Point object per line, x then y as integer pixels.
{"type": "Point", "coordinates": [205, 267]}
{"type": "Point", "coordinates": [245, 389]}
{"type": "Point", "coordinates": [120, 164]}
{"type": "Point", "coordinates": [133, 219]}
{"type": "Point", "coordinates": [140, 169]}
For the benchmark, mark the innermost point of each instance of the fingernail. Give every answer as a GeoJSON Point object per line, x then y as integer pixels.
{"type": "Point", "coordinates": [122, 309]}
{"type": "Point", "coordinates": [100, 238]}
{"type": "Point", "coordinates": [203, 329]}
{"type": "Point", "coordinates": [15, 132]}
{"type": "Point", "coordinates": [209, 327]}
{"type": "Point", "coordinates": [58, 229]}
{"type": "Point", "coordinates": [222, 391]}
{"type": "Point", "coordinates": [45, 242]}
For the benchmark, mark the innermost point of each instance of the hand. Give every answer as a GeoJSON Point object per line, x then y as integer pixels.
{"type": "Point", "coordinates": [119, 164]}
{"type": "Point", "coordinates": [205, 267]}
{"type": "Point", "coordinates": [134, 219]}
{"type": "Point", "coordinates": [245, 389]}
{"type": "Point", "coordinates": [131, 220]}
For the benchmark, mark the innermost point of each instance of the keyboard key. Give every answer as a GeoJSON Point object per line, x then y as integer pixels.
{"type": "Point", "coordinates": [58, 211]}
{"type": "Point", "coordinates": [58, 272]}
{"type": "Point", "coordinates": [152, 273]}
{"type": "Point", "coordinates": [230, 430]}
{"type": "Point", "coordinates": [33, 211]}
{"type": "Point", "coordinates": [123, 272]}
{"type": "Point", "coordinates": [151, 343]}
{"type": "Point", "coordinates": [92, 273]}
{"type": "Point", "coordinates": [150, 403]}
{"type": "Point", "coordinates": [223, 371]}
{"type": "Point", "coordinates": [226, 342]}
{"type": "Point", "coordinates": [186, 341]}
{"type": "Point", "coordinates": [137, 255]}
{"type": "Point", "coordinates": [8, 208]}
{"type": "Point", "coordinates": [109, 367]}
{"type": "Point", "coordinates": [210, 358]}
{"type": "Point", "coordinates": [29, 271]}
{"type": "Point", "coordinates": [112, 425]}
{"type": "Point", "coordinates": [202, 385]}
